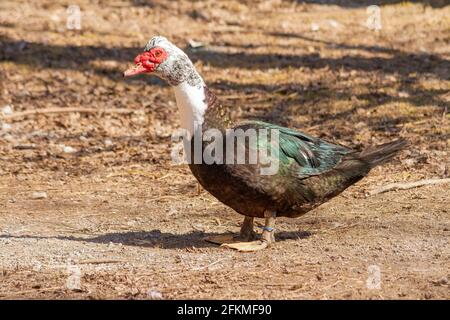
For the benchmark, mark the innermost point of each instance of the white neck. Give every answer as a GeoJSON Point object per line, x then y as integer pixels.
{"type": "Point", "coordinates": [191, 104]}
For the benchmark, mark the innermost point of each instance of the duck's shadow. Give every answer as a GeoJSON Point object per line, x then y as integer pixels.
{"type": "Point", "coordinates": [155, 238]}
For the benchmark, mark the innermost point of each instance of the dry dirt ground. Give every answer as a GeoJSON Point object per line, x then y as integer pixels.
{"type": "Point", "coordinates": [120, 221]}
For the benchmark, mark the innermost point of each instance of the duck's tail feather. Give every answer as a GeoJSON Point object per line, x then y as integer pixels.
{"type": "Point", "coordinates": [377, 155]}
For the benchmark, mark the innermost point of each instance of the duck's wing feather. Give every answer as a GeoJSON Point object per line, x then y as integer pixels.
{"type": "Point", "coordinates": [298, 151]}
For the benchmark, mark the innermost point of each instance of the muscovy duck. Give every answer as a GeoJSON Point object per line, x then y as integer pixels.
{"type": "Point", "coordinates": [310, 171]}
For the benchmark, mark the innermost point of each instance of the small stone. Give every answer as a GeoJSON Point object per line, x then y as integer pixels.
{"type": "Point", "coordinates": [5, 126]}
{"type": "Point", "coordinates": [315, 27]}
{"type": "Point", "coordinates": [195, 44]}
{"type": "Point", "coordinates": [7, 110]}
{"type": "Point", "coordinates": [10, 138]}
{"type": "Point", "coordinates": [391, 78]}
{"type": "Point", "coordinates": [134, 291]}
{"type": "Point", "coordinates": [37, 267]}
{"type": "Point", "coordinates": [403, 94]}
{"type": "Point", "coordinates": [69, 149]}
{"type": "Point", "coordinates": [55, 18]}
{"type": "Point", "coordinates": [334, 23]}
{"type": "Point", "coordinates": [409, 162]}
{"type": "Point", "coordinates": [154, 295]}
{"type": "Point", "coordinates": [39, 195]}
{"type": "Point", "coordinates": [441, 282]}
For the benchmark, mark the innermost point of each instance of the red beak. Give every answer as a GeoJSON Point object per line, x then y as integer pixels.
{"type": "Point", "coordinates": [137, 69]}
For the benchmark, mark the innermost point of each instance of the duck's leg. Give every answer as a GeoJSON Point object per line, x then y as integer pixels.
{"type": "Point", "coordinates": [247, 234]}
{"type": "Point", "coordinates": [268, 229]}
{"type": "Point", "coordinates": [267, 237]}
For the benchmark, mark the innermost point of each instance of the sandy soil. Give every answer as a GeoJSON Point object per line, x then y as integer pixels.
{"type": "Point", "coordinates": [119, 220]}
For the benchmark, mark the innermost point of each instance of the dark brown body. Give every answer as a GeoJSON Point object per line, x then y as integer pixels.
{"type": "Point", "coordinates": [252, 194]}
{"type": "Point", "coordinates": [296, 188]}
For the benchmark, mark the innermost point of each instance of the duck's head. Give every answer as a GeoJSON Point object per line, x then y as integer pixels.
{"type": "Point", "coordinates": [165, 60]}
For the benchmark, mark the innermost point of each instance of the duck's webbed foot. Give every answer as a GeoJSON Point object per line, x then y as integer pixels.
{"type": "Point", "coordinates": [247, 234]}
{"type": "Point", "coordinates": [267, 237]}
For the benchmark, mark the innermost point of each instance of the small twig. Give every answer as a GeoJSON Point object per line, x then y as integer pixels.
{"type": "Point", "coordinates": [165, 176]}
{"type": "Point", "coordinates": [409, 185]}
{"type": "Point", "coordinates": [209, 265]}
{"type": "Point", "coordinates": [99, 261]}
{"type": "Point", "coordinates": [134, 172]}
{"type": "Point", "coordinates": [163, 198]}
{"type": "Point", "coordinates": [13, 294]}
{"type": "Point", "coordinates": [65, 110]}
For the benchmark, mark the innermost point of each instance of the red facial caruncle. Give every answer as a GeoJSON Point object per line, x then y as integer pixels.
{"type": "Point", "coordinates": [147, 62]}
